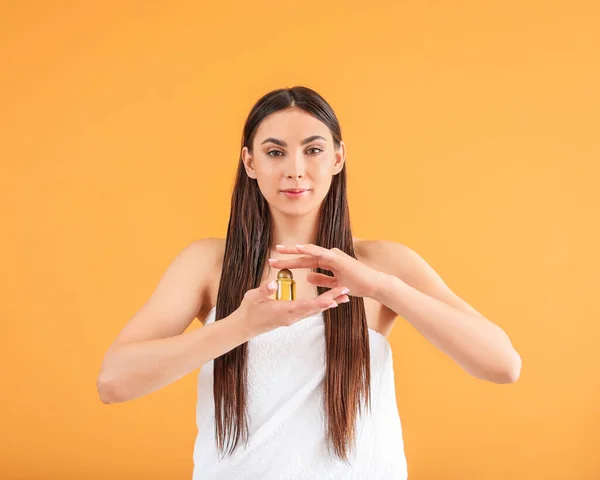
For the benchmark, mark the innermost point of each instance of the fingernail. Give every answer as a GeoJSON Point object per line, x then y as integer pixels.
{"type": "Point", "coordinates": [333, 305]}
{"type": "Point", "coordinates": [345, 290]}
{"type": "Point", "coordinates": [299, 246]}
{"type": "Point", "coordinates": [272, 285]}
{"type": "Point", "coordinates": [345, 300]}
{"type": "Point", "coordinates": [279, 245]}
{"type": "Point", "coordinates": [272, 259]}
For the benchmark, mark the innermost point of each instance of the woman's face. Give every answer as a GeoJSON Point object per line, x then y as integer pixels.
{"type": "Point", "coordinates": [293, 150]}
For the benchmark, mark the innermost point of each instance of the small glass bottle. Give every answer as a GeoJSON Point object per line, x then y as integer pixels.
{"type": "Point", "coordinates": [286, 285]}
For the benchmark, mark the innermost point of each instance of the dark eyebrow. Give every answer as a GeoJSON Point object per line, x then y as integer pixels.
{"type": "Point", "coordinates": [281, 143]}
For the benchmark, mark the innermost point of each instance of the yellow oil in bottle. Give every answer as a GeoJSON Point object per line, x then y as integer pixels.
{"type": "Point", "coordinates": [286, 285]}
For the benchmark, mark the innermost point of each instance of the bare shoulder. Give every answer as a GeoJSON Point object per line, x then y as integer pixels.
{"type": "Point", "coordinates": [204, 252]}
{"type": "Point", "coordinates": [216, 247]}
{"type": "Point", "coordinates": [409, 266]}
{"type": "Point", "coordinates": [375, 251]}
{"type": "Point", "coordinates": [179, 295]}
{"type": "Point", "coordinates": [208, 257]}
{"type": "Point", "coordinates": [388, 256]}
{"type": "Point", "coordinates": [208, 245]}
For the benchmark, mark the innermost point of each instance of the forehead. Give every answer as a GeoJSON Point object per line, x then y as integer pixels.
{"type": "Point", "coordinates": [292, 124]}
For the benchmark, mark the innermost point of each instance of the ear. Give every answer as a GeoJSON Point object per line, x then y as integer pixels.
{"type": "Point", "coordinates": [248, 162]}
{"type": "Point", "coordinates": [340, 158]}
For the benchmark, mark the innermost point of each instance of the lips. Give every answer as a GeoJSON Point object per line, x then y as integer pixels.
{"type": "Point", "coordinates": [295, 190]}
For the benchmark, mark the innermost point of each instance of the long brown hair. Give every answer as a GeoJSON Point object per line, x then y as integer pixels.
{"type": "Point", "coordinates": [248, 243]}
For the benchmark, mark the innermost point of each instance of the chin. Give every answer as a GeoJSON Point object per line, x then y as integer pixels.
{"type": "Point", "coordinates": [294, 209]}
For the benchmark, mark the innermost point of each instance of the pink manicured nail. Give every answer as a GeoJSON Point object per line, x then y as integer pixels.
{"type": "Point", "coordinates": [333, 305]}
{"type": "Point", "coordinates": [272, 285]}
{"type": "Point", "coordinates": [345, 290]}
{"type": "Point", "coordinates": [299, 246]}
{"type": "Point", "coordinates": [345, 300]}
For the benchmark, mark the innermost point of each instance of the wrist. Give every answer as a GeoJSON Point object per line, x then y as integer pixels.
{"type": "Point", "coordinates": [380, 286]}
{"type": "Point", "coordinates": [240, 327]}
{"type": "Point", "coordinates": [386, 288]}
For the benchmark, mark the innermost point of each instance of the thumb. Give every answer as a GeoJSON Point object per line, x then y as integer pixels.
{"type": "Point", "coordinates": [268, 288]}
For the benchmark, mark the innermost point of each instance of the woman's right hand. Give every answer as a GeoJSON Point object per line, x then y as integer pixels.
{"type": "Point", "coordinates": [260, 312]}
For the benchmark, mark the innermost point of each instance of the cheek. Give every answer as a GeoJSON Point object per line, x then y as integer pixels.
{"type": "Point", "coordinates": [268, 178]}
{"type": "Point", "coordinates": [322, 172]}
{"type": "Point", "coordinates": [268, 173]}
{"type": "Point", "coordinates": [321, 180]}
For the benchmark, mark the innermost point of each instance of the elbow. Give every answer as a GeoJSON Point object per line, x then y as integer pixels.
{"type": "Point", "coordinates": [512, 366]}
{"type": "Point", "coordinates": [508, 371]}
{"type": "Point", "coordinates": [514, 370]}
{"type": "Point", "coordinates": [107, 392]}
{"type": "Point", "coordinates": [108, 383]}
{"type": "Point", "coordinates": [505, 363]}
{"type": "Point", "coordinates": [108, 386]}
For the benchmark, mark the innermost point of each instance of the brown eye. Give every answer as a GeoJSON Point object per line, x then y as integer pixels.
{"type": "Point", "coordinates": [318, 150]}
{"type": "Point", "coordinates": [274, 151]}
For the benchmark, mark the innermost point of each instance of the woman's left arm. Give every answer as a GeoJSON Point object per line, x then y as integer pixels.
{"type": "Point", "coordinates": [418, 294]}
{"type": "Point", "coordinates": [397, 277]}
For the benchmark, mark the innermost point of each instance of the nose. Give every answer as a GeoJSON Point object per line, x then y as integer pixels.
{"type": "Point", "coordinates": [295, 167]}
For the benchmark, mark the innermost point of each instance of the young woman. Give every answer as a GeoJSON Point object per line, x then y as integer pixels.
{"type": "Point", "coordinates": [307, 385]}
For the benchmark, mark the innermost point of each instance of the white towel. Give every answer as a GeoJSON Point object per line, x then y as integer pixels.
{"type": "Point", "coordinates": [286, 370]}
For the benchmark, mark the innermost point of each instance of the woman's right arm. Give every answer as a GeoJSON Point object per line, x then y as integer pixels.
{"type": "Point", "coordinates": [152, 350]}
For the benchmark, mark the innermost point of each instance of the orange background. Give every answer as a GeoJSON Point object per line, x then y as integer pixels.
{"type": "Point", "coordinates": [472, 135]}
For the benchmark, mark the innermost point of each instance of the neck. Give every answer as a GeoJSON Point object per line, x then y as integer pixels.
{"type": "Point", "coordinates": [291, 231]}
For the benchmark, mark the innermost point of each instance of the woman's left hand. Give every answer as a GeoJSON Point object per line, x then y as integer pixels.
{"type": "Point", "coordinates": [362, 280]}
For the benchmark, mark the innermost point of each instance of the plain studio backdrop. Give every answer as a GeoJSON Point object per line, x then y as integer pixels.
{"type": "Point", "coordinates": [472, 134]}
